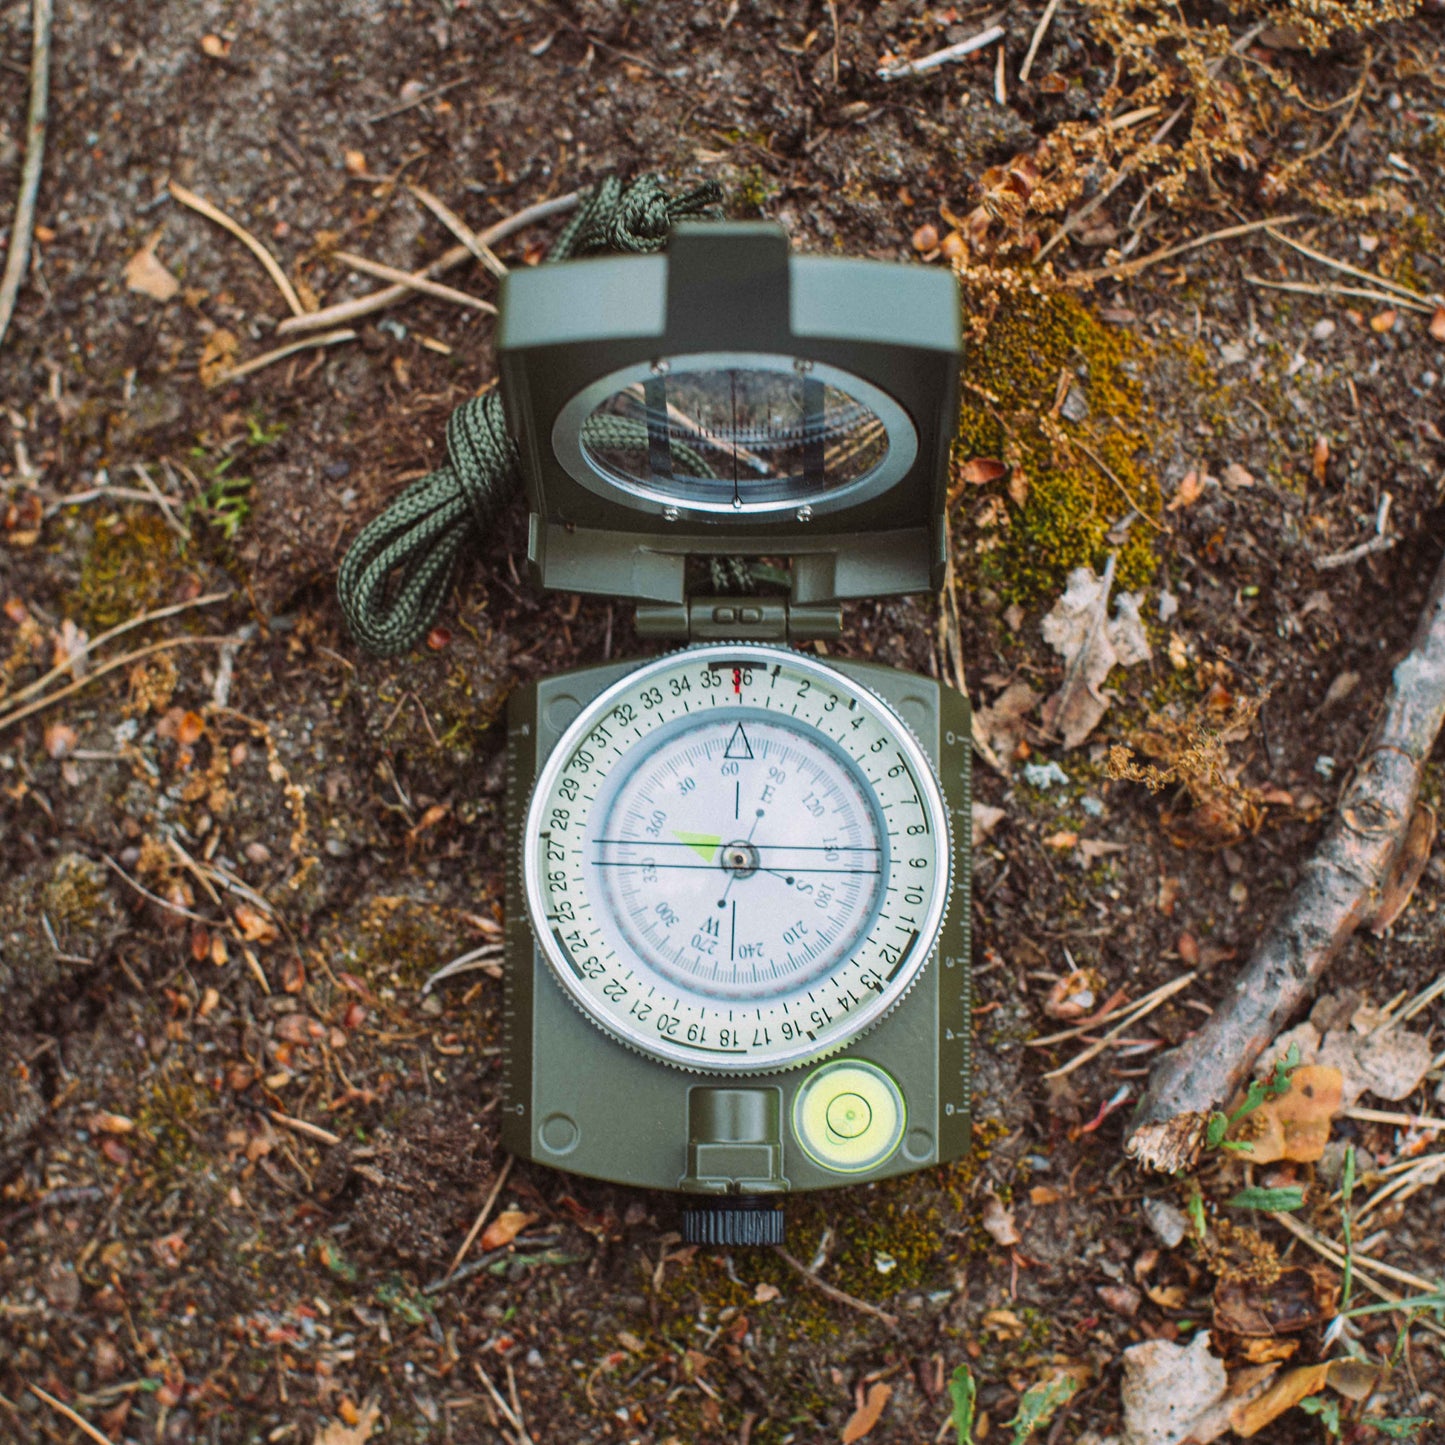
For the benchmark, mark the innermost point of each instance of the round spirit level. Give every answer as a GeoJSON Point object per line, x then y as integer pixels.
{"type": "Point", "coordinates": [737, 860]}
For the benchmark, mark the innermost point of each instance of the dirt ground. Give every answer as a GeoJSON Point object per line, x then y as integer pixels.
{"type": "Point", "coordinates": [230, 864]}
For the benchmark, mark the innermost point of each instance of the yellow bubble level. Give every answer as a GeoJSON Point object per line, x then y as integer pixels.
{"type": "Point", "coordinates": [849, 1116]}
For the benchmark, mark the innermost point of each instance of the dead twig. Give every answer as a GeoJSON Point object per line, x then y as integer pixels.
{"type": "Point", "coordinates": [41, 683]}
{"type": "Point", "coordinates": [1378, 543]}
{"type": "Point", "coordinates": [413, 281]}
{"type": "Point", "coordinates": [22, 228]}
{"type": "Point", "coordinates": [347, 311]}
{"type": "Point", "coordinates": [946, 56]}
{"type": "Point", "coordinates": [1122, 269]}
{"type": "Point", "coordinates": [401, 107]}
{"type": "Point", "coordinates": [482, 1215]}
{"type": "Point", "coordinates": [18, 714]}
{"type": "Point", "coordinates": [79, 1421]}
{"type": "Point", "coordinates": [203, 207]}
{"type": "Point", "coordinates": [833, 1292]}
{"type": "Point", "coordinates": [300, 1126]}
{"type": "Point", "coordinates": [1403, 293]}
{"type": "Point", "coordinates": [459, 229]}
{"type": "Point", "coordinates": [1045, 20]}
{"type": "Point", "coordinates": [1314, 288]}
{"type": "Point", "coordinates": [268, 358]}
{"type": "Point", "coordinates": [1145, 1006]}
{"type": "Point", "coordinates": [1340, 890]}
{"type": "Point", "coordinates": [469, 962]}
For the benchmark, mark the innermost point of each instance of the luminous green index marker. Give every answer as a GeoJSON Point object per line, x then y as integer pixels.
{"type": "Point", "coordinates": [705, 845]}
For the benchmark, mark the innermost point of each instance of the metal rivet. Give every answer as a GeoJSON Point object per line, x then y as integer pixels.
{"type": "Point", "coordinates": [669, 514]}
{"type": "Point", "coordinates": [805, 514]}
{"type": "Point", "coordinates": [661, 367]}
{"type": "Point", "coordinates": [802, 365]}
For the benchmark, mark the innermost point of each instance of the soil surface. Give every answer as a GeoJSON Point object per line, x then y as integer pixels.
{"type": "Point", "coordinates": [231, 863]}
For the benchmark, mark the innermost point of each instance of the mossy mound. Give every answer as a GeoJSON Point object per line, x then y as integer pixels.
{"type": "Point", "coordinates": [133, 565]}
{"type": "Point", "coordinates": [1054, 393]}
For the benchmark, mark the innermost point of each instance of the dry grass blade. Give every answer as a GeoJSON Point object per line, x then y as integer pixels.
{"type": "Point", "coordinates": [946, 56]}
{"type": "Point", "coordinates": [22, 228]}
{"type": "Point", "coordinates": [1403, 293]}
{"type": "Point", "coordinates": [1132, 268]}
{"type": "Point", "coordinates": [1108, 471]}
{"type": "Point", "coordinates": [460, 230]}
{"type": "Point", "coordinates": [300, 1126]}
{"type": "Point", "coordinates": [1389, 1116]}
{"type": "Point", "coordinates": [1314, 288]}
{"type": "Point", "coordinates": [9, 719]}
{"type": "Point", "coordinates": [346, 311]}
{"type": "Point", "coordinates": [1145, 1006]}
{"type": "Point", "coordinates": [269, 358]}
{"type": "Point", "coordinates": [1045, 20]}
{"type": "Point", "coordinates": [833, 1292]}
{"type": "Point", "coordinates": [203, 207]}
{"type": "Point", "coordinates": [41, 683]}
{"type": "Point", "coordinates": [79, 1421]}
{"type": "Point", "coordinates": [482, 1215]}
{"type": "Point", "coordinates": [413, 281]}
{"type": "Point", "coordinates": [1361, 1267]}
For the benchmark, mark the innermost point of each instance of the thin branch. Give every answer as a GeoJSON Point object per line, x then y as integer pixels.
{"type": "Point", "coordinates": [154, 897]}
{"type": "Point", "coordinates": [482, 1215]}
{"type": "Point", "coordinates": [459, 229]}
{"type": "Point", "coordinates": [269, 358]}
{"type": "Point", "coordinates": [79, 1421]}
{"type": "Point", "coordinates": [1045, 20]}
{"type": "Point", "coordinates": [401, 107]}
{"type": "Point", "coordinates": [1144, 1007]}
{"type": "Point", "coordinates": [1394, 287]}
{"type": "Point", "coordinates": [23, 227]}
{"type": "Point", "coordinates": [40, 684]}
{"type": "Point", "coordinates": [300, 1126]}
{"type": "Point", "coordinates": [203, 207]}
{"type": "Point", "coordinates": [413, 281]}
{"type": "Point", "coordinates": [946, 56]}
{"type": "Point", "coordinates": [1313, 288]}
{"type": "Point", "coordinates": [16, 715]}
{"type": "Point", "coordinates": [1122, 269]}
{"type": "Point", "coordinates": [347, 311]}
{"type": "Point", "coordinates": [1104, 467]}
{"type": "Point", "coordinates": [833, 1292]}
{"type": "Point", "coordinates": [1339, 890]}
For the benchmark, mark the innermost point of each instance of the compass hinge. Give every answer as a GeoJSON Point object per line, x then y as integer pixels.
{"type": "Point", "coordinates": [739, 619]}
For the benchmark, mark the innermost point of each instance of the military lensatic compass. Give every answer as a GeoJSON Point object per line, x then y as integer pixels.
{"type": "Point", "coordinates": [737, 916]}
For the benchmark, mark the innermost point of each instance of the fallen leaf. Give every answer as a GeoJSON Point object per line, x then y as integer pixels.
{"type": "Point", "coordinates": [189, 728]}
{"type": "Point", "coordinates": [112, 1123]}
{"type": "Point", "coordinates": [998, 1221]}
{"type": "Point", "coordinates": [255, 926]}
{"type": "Point", "coordinates": [1236, 478]}
{"type": "Point", "coordinates": [1001, 722]}
{"type": "Point", "coordinates": [1390, 1063]}
{"type": "Point", "coordinates": [144, 273]}
{"type": "Point", "coordinates": [216, 356]}
{"type": "Point", "coordinates": [1284, 1394]}
{"type": "Point", "coordinates": [1078, 629]}
{"type": "Point", "coordinates": [765, 1293]}
{"type": "Point", "coordinates": [1437, 324]}
{"type": "Point", "coordinates": [1296, 1125]}
{"type": "Point", "coordinates": [978, 471]}
{"type": "Point", "coordinates": [355, 162]}
{"type": "Point", "coordinates": [338, 1433]}
{"type": "Point", "coordinates": [505, 1228]}
{"type": "Point", "coordinates": [1384, 320]}
{"type": "Point", "coordinates": [1244, 1385]}
{"type": "Point", "coordinates": [985, 819]}
{"type": "Point", "coordinates": [1167, 1387]}
{"type": "Point", "coordinates": [59, 739]}
{"type": "Point", "coordinates": [215, 47]}
{"type": "Point", "coordinates": [1409, 863]}
{"type": "Point", "coordinates": [1092, 849]}
{"type": "Point", "coordinates": [1188, 492]}
{"type": "Point", "coordinates": [1301, 1297]}
{"type": "Point", "coordinates": [1075, 995]}
{"type": "Point", "coordinates": [1121, 1298]}
{"type": "Point", "coordinates": [1041, 1194]}
{"type": "Point", "coordinates": [1062, 841]}
{"type": "Point", "coordinates": [866, 1416]}
{"type": "Point", "coordinates": [1018, 487]}
{"type": "Point", "coordinates": [1320, 460]}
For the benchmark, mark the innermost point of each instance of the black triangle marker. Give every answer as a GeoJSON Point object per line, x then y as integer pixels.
{"type": "Point", "coordinates": [738, 745]}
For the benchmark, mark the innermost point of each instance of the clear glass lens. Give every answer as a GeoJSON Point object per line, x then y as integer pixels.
{"type": "Point", "coordinates": [747, 434]}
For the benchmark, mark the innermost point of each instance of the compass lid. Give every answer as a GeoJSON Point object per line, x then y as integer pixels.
{"type": "Point", "coordinates": [730, 399]}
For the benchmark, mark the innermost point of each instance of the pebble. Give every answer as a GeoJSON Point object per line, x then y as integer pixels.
{"type": "Point", "coordinates": [1323, 330]}
{"type": "Point", "coordinates": [1166, 1221]}
{"type": "Point", "coordinates": [1325, 766]}
{"type": "Point", "coordinates": [1076, 405]}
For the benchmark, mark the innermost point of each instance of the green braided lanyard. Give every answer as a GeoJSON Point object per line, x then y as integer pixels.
{"type": "Point", "coordinates": [397, 573]}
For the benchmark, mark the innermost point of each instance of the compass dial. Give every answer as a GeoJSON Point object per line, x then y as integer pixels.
{"type": "Point", "coordinates": [736, 859]}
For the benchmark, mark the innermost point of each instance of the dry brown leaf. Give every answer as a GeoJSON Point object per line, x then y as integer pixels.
{"type": "Point", "coordinates": [1263, 1350]}
{"type": "Point", "coordinates": [216, 356]}
{"type": "Point", "coordinates": [1062, 841]}
{"type": "Point", "coordinates": [1384, 320]}
{"type": "Point", "coordinates": [59, 739]}
{"type": "Point", "coordinates": [1236, 478]}
{"type": "Point", "coordinates": [998, 1221]}
{"type": "Point", "coordinates": [979, 471]}
{"type": "Point", "coordinates": [1301, 1297]}
{"type": "Point", "coordinates": [1284, 1394]}
{"type": "Point", "coordinates": [355, 162]}
{"type": "Point", "coordinates": [866, 1416]}
{"type": "Point", "coordinates": [985, 819]}
{"type": "Point", "coordinates": [112, 1123]}
{"type": "Point", "coordinates": [1405, 871]}
{"type": "Point", "coordinates": [144, 273]}
{"type": "Point", "coordinates": [1001, 722]}
{"type": "Point", "coordinates": [505, 1228]}
{"type": "Point", "coordinates": [1189, 491]}
{"type": "Point", "coordinates": [1320, 460]}
{"type": "Point", "coordinates": [1437, 324]}
{"type": "Point", "coordinates": [1297, 1124]}
{"type": "Point", "coordinates": [1075, 995]}
{"type": "Point", "coordinates": [255, 926]}
{"type": "Point", "coordinates": [337, 1433]}
{"type": "Point", "coordinates": [215, 47]}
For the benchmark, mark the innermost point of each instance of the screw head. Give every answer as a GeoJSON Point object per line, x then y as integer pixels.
{"type": "Point", "coordinates": [805, 514]}
{"type": "Point", "coordinates": [802, 365]}
{"type": "Point", "coordinates": [661, 366]}
{"type": "Point", "coordinates": [669, 514]}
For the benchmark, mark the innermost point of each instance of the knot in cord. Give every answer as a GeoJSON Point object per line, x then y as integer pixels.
{"type": "Point", "coordinates": [397, 573]}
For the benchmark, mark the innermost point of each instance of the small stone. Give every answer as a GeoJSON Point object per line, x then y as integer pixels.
{"type": "Point", "coordinates": [1322, 330]}
{"type": "Point", "coordinates": [1167, 1222]}
{"type": "Point", "coordinates": [257, 853]}
{"type": "Point", "coordinates": [1076, 405]}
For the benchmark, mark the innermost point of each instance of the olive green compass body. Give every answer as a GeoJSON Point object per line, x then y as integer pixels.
{"type": "Point", "coordinates": [738, 890]}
